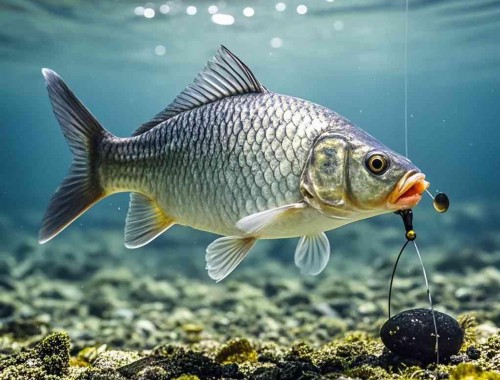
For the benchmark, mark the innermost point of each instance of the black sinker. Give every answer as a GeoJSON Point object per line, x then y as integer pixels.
{"type": "Point", "coordinates": [410, 334]}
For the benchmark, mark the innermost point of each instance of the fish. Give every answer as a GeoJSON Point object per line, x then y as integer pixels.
{"type": "Point", "coordinates": [230, 157]}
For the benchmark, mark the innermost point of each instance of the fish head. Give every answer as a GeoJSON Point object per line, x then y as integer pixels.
{"type": "Point", "coordinates": [351, 174]}
{"type": "Point", "coordinates": [382, 180]}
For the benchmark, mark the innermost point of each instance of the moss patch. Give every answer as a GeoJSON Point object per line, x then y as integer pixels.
{"type": "Point", "coordinates": [236, 351]}
{"type": "Point", "coordinates": [467, 371]}
{"type": "Point", "coordinates": [356, 355]}
{"type": "Point", "coordinates": [48, 360]}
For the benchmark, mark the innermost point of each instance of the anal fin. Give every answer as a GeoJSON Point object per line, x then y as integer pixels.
{"type": "Point", "coordinates": [145, 221]}
{"type": "Point", "coordinates": [225, 253]}
{"type": "Point", "coordinates": [312, 253]}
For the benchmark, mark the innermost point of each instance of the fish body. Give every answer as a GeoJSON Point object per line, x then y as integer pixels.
{"type": "Point", "coordinates": [213, 165]}
{"type": "Point", "coordinates": [230, 157]}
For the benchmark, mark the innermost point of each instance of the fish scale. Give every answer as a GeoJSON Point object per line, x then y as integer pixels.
{"type": "Point", "coordinates": [227, 166]}
{"type": "Point", "coordinates": [231, 157]}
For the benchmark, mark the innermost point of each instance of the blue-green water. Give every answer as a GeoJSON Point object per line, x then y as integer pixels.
{"type": "Point", "coordinates": [127, 60]}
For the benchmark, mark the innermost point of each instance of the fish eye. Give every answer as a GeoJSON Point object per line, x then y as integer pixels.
{"type": "Point", "coordinates": [377, 163]}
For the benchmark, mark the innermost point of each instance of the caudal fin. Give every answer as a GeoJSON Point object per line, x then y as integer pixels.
{"type": "Point", "coordinates": [80, 189]}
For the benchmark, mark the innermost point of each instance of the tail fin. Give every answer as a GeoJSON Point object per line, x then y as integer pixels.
{"type": "Point", "coordinates": [80, 189]}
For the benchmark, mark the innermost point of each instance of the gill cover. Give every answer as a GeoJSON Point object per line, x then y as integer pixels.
{"type": "Point", "coordinates": [323, 180]}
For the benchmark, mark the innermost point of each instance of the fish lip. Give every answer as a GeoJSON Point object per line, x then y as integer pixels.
{"type": "Point", "coordinates": [408, 191]}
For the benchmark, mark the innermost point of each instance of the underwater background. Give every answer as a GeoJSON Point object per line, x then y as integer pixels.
{"type": "Point", "coordinates": [126, 61]}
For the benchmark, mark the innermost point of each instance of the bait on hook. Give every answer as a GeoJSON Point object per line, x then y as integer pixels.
{"type": "Point", "coordinates": [440, 202]}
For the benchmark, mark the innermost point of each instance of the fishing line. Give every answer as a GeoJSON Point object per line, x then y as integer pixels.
{"type": "Point", "coordinates": [436, 347]}
{"type": "Point", "coordinates": [392, 276]}
{"type": "Point", "coordinates": [440, 202]}
{"type": "Point", "coordinates": [406, 78]}
{"type": "Point", "coordinates": [407, 217]}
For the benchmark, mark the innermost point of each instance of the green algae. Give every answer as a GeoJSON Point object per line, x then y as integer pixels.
{"type": "Point", "coordinates": [300, 351]}
{"type": "Point", "coordinates": [192, 332]}
{"type": "Point", "coordinates": [153, 373]}
{"type": "Point", "coordinates": [493, 345]}
{"type": "Point", "coordinates": [236, 351]}
{"type": "Point", "coordinates": [341, 353]}
{"type": "Point", "coordinates": [48, 360]}
{"type": "Point", "coordinates": [177, 361]}
{"type": "Point", "coordinates": [87, 356]}
{"type": "Point", "coordinates": [367, 372]}
{"type": "Point", "coordinates": [355, 355]}
{"type": "Point", "coordinates": [466, 371]}
{"type": "Point", "coordinates": [468, 324]}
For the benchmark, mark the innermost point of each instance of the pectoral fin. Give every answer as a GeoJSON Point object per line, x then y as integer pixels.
{"type": "Point", "coordinates": [145, 221]}
{"type": "Point", "coordinates": [224, 254]}
{"type": "Point", "coordinates": [312, 253]}
{"type": "Point", "coordinates": [253, 224]}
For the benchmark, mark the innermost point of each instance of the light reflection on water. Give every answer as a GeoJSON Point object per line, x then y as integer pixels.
{"type": "Point", "coordinates": [222, 19]}
{"type": "Point", "coordinates": [151, 10]}
{"type": "Point", "coordinates": [136, 28]}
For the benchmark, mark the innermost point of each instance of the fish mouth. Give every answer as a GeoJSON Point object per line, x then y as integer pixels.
{"type": "Point", "coordinates": [408, 191]}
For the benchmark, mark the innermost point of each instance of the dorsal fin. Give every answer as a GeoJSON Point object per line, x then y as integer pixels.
{"type": "Point", "coordinates": [224, 75]}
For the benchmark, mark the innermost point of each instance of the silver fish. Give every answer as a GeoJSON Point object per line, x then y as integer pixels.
{"type": "Point", "coordinates": [230, 157]}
